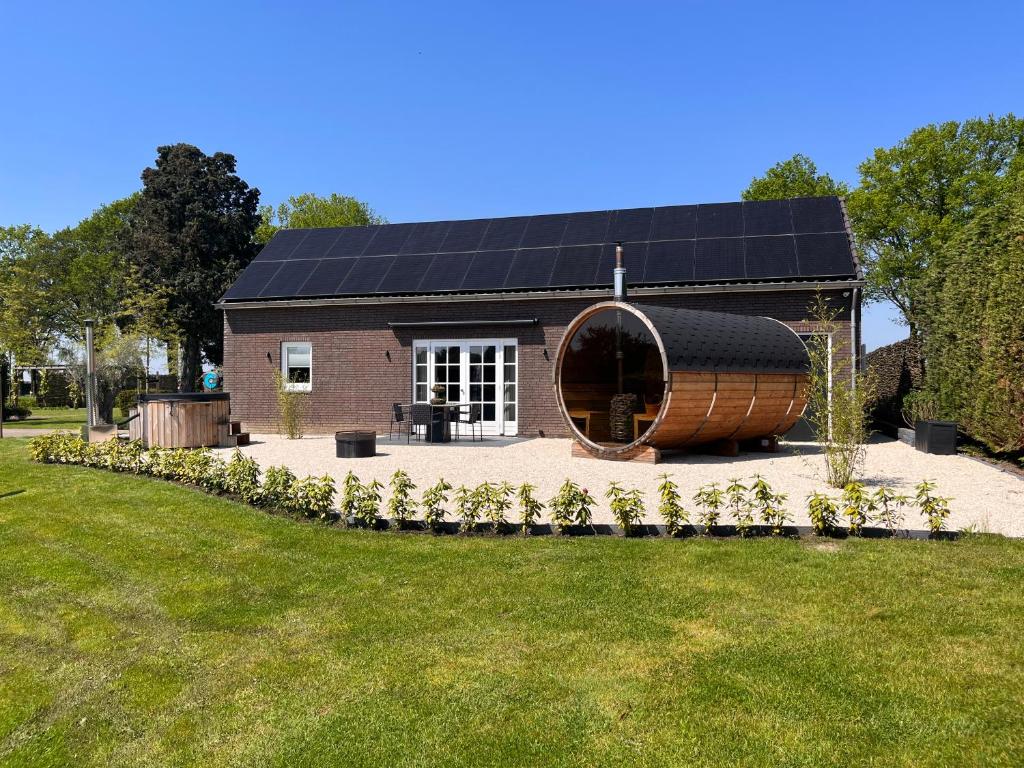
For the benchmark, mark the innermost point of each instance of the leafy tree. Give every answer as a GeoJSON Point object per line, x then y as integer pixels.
{"type": "Point", "coordinates": [26, 316]}
{"type": "Point", "coordinates": [191, 232]}
{"type": "Point", "coordinates": [915, 197]}
{"type": "Point", "coordinates": [311, 210]}
{"type": "Point", "coordinates": [796, 177]}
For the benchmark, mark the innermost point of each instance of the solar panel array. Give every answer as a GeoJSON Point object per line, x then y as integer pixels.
{"type": "Point", "coordinates": [802, 238]}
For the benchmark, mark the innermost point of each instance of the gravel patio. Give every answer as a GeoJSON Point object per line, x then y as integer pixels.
{"type": "Point", "coordinates": [984, 497]}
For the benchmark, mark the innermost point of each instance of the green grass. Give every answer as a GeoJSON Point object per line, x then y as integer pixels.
{"type": "Point", "coordinates": [146, 624]}
{"type": "Point", "coordinates": [50, 418]}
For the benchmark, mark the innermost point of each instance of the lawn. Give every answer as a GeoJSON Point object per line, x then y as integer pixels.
{"type": "Point", "coordinates": [50, 418]}
{"type": "Point", "coordinates": [147, 624]}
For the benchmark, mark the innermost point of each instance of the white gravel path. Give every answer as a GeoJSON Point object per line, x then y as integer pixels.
{"type": "Point", "coordinates": [983, 496]}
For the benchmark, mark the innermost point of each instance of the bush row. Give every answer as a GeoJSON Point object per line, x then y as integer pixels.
{"type": "Point", "coordinates": [742, 505]}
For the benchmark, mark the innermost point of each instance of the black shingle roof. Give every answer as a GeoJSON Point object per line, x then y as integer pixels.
{"type": "Point", "coordinates": [798, 239]}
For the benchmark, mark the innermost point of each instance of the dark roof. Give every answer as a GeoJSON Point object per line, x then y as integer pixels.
{"type": "Point", "coordinates": [798, 239]}
{"type": "Point", "coordinates": [715, 341]}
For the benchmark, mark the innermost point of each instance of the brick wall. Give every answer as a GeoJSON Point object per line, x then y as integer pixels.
{"type": "Point", "coordinates": [361, 367]}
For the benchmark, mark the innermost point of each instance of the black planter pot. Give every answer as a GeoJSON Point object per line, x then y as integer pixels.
{"type": "Point", "coordinates": [938, 437]}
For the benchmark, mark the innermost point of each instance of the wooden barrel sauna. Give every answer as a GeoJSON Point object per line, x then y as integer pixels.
{"type": "Point", "coordinates": [180, 420]}
{"type": "Point", "coordinates": [678, 377]}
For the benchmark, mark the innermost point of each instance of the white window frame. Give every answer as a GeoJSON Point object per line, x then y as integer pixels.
{"type": "Point", "coordinates": [291, 386]}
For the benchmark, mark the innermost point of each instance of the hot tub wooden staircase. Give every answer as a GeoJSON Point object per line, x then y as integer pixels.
{"type": "Point", "coordinates": [230, 435]}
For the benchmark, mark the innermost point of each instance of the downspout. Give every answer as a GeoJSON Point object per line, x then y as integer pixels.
{"type": "Point", "coordinates": [854, 347]}
{"type": "Point", "coordinates": [620, 295]}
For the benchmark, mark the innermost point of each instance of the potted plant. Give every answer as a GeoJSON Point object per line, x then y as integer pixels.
{"type": "Point", "coordinates": [931, 434]}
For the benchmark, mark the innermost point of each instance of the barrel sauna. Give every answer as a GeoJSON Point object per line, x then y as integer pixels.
{"type": "Point", "coordinates": [683, 377]}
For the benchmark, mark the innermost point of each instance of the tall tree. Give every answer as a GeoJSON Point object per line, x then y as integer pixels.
{"type": "Point", "coordinates": [916, 196]}
{"type": "Point", "coordinates": [190, 234]}
{"type": "Point", "coordinates": [796, 177]}
{"type": "Point", "coordinates": [27, 316]}
{"type": "Point", "coordinates": [311, 210]}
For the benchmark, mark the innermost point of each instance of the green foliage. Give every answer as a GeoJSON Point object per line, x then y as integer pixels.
{"type": "Point", "coordinates": [857, 506]}
{"type": "Point", "coordinates": [435, 499]}
{"type": "Point", "coordinates": [368, 503]}
{"type": "Point", "coordinates": [824, 513]}
{"type": "Point", "coordinates": [276, 492]}
{"type": "Point", "coordinates": [311, 210]}
{"type": "Point", "coordinates": [314, 497]}
{"type": "Point", "coordinates": [796, 177]}
{"type": "Point", "coordinates": [740, 505]}
{"type": "Point", "coordinates": [351, 488]}
{"type": "Point", "coordinates": [242, 477]}
{"type": "Point", "coordinates": [467, 507]}
{"type": "Point", "coordinates": [291, 408]}
{"type": "Point", "coordinates": [530, 507]}
{"type": "Point", "coordinates": [710, 499]}
{"type": "Point", "coordinates": [401, 504]}
{"type": "Point", "coordinates": [571, 504]}
{"type": "Point", "coordinates": [934, 508]}
{"type": "Point", "coordinates": [769, 505]}
{"type": "Point", "coordinates": [124, 401]}
{"type": "Point", "coordinates": [888, 507]}
{"type": "Point", "coordinates": [670, 505]}
{"type": "Point", "coordinates": [627, 506]}
{"type": "Point", "coordinates": [16, 412]}
{"type": "Point", "coordinates": [495, 500]}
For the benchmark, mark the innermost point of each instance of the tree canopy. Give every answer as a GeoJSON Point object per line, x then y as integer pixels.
{"type": "Point", "coordinates": [311, 210]}
{"type": "Point", "coordinates": [796, 177]}
{"type": "Point", "coordinates": [189, 235]}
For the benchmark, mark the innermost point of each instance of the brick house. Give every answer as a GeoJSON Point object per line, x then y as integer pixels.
{"type": "Point", "coordinates": [364, 317]}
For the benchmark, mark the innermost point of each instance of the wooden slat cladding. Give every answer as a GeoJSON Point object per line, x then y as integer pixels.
{"type": "Point", "coordinates": [179, 424]}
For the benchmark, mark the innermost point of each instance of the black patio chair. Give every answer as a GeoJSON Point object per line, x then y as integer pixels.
{"type": "Point", "coordinates": [453, 419]}
{"type": "Point", "coordinates": [473, 420]}
{"type": "Point", "coordinates": [420, 413]}
{"type": "Point", "coordinates": [397, 418]}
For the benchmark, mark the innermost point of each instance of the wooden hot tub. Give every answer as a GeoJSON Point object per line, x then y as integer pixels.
{"type": "Point", "coordinates": [688, 378]}
{"type": "Point", "coordinates": [180, 419]}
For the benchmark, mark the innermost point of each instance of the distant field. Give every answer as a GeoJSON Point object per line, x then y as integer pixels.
{"type": "Point", "coordinates": [50, 418]}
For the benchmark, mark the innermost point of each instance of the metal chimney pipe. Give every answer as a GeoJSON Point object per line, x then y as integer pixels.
{"type": "Point", "coordinates": [620, 274]}
{"type": "Point", "coordinates": [90, 376]}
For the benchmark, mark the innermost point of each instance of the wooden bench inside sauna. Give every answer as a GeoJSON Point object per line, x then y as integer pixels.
{"type": "Point", "coordinates": [186, 420]}
{"type": "Point", "coordinates": [633, 379]}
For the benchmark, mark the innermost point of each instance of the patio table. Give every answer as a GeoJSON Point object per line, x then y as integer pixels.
{"type": "Point", "coordinates": [439, 428]}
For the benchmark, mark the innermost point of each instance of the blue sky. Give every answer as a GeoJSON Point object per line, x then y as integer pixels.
{"type": "Point", "coordinates": [458, 110]}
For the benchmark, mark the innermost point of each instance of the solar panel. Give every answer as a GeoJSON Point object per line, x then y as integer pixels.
{"type": "Point", "coordinates": [351, 241]}
{"type": "Point", "coordinates": [388, 240]}
{"type": "Point", "coordinates": [447, 272]}
{"type": "Point", "coordinates": [669, 261]}
{"type": "Point", "coordinates": [631, 225]}
{"type": "Point", "coordinates": [253, 278]}
{"type": "Point", "coordinates": [825, 254]}
{"type": "Point", "coordinates": [817, 214]}
{"type": "Point", "coordinates": [771, 256]}
{"type": "Point", "coordinates": [720, 220]}
{"type": "Point", "coordinates": [531, 268]}
{"type": "Point", "coordinates": [464, 235]}
{"type": "Point", "coordinates": [676, 222]}
{"type": "Point", "coordinates": [426, 237]}
{"type": "Point", "coordinates": [281, 244]}
{"type": "Point", "coordinates": [365, 275]}
{"type": "Point", "coordinates": [634, 257]}
{"type": "Point", "coordinates": [288, 279]}
{"type": "Point", "coordinates": [587, 228]}
{"type": "Point", "coordinates": [767, 217]}
{"type": "Point", "coordinates": [576, 265]}
{"type": "Point", "coordinates": [487, 271]}
{"type": "Point", "coordinates": [326, 277]}
{"type": "Point", "coordinates": [544, 231]}
{"type": "Point", "coordinates": [405, 274]}
{"type": "Point", "coordinates": [316, 243]}
{"type": "Point", "coordinates": [718, 259]}
{"type": "Point", "coordinates": [504, 233]}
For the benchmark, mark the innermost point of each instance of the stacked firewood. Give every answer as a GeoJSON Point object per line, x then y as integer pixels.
{"type": "Point", "coordinates": [620, 416]}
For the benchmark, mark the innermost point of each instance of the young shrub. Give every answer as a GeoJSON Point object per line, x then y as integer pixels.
{"type": "Point", "coordinates": [276, 492]}
{"type": "Point", "coordinates": [130, 457]}
{"type": "Point", "coordinates": [670, 505]}
{"type": "Point", "coordinates": [368, 506]}
{"type": "Point", "coordinates": [196, 466]}
{"type": "Point", "coordinates": [434, 500]}
{"type": "Point", "coordinates": [401, 503]}
{"type": "Point", "coordinates": [529, 507]}
{"type": "Point", "coordinates": [889, 508]}
{"type": "Point", "coordinates": [740, 505]}
{"type": "Point", "coordinates": [242, 477]}
{"type": "Point", "coordinates": [571, 504]}
{"type": "Point", "coordinates": [770, 505]}
{"type": "Point", "coordinates": [627, 506]}
{"type": "Point", "coordinates": [314, 497]}
{"type": "Point", "coordinates": [351, 489]}
{"type": "Point", "coordinates": [467, 507]}
{"type": "Point", "coordinates": [934, 508]}
{"type": "Point", "coordinates": [710, 498]}
{"type": "Point", "coordinates": [291, 407]}
{"type": "Point", "coordinates": [857, 505]}
{"type": "Point", "coordinates": [824, 513]}
{"type": "Point", "coordinates": [498, 503]}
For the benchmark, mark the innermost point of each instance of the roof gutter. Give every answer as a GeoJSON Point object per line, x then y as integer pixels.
{"type": "Point", "coordinates": [598, 293]}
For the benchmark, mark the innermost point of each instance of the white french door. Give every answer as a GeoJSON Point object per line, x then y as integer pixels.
{"type": "Point", "coordinates": [483, 372]}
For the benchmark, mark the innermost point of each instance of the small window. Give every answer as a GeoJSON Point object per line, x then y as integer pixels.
{"type": "Point", "coordinates": [297, 365]}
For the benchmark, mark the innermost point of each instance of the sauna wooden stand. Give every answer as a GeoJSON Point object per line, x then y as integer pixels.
{"type": "Point", "coordinates": [729, 382]}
